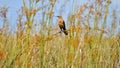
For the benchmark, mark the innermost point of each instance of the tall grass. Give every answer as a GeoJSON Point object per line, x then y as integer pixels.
{"type": "Point", "coordinates": [89, 43]}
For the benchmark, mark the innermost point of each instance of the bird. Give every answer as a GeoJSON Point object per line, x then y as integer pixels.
{"type": "Point", "coordinates": [61, 24]}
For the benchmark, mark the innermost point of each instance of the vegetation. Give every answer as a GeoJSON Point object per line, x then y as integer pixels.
{"type": "Point", "coordinates": [37, 43]}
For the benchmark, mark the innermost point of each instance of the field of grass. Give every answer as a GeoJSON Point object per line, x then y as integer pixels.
{"type": "Point", "coordinates": [40, 45]}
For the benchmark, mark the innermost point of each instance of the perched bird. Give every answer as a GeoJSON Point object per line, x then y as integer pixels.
{"type": "Point", "coordinates": [61, 24]}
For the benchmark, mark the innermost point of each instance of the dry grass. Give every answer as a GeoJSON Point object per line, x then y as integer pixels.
{"type": "Point", "coordinates": [86, 46]}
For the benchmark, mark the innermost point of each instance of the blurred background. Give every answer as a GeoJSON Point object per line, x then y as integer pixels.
{"type": "Point", "coordinates": [65, 8]}
{"type": "Point", "coordinates": [30, 37]}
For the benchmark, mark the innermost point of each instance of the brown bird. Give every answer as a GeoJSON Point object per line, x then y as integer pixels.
{"type": "Point", "coordinates": [61, 24]}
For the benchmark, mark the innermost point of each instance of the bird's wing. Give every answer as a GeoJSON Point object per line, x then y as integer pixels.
{"type": "Point", "coordinates": [64, 28]}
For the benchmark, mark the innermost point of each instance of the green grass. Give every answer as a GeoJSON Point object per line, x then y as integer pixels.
{"type": "Point", "coordinates": [60, 52]}
{"type": "Point", "coordinates": [84, 47]}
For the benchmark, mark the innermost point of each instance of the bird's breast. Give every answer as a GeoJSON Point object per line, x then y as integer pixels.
{"type": "Point", "coordinates": [60, 23]}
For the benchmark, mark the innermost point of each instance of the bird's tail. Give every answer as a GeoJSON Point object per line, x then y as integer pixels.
{"type": "Point", "coordinates": [65, 32]}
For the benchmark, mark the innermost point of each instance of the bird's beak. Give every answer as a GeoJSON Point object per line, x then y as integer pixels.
{"type": "Point", "coordinates": [56, 16]}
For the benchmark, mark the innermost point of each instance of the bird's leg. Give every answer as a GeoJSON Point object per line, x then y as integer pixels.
{"type": "Point", "coordinates": [60, 31]}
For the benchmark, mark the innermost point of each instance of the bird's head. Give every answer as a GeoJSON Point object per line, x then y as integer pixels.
{"type": "Point", "coordinates": [59, 16]}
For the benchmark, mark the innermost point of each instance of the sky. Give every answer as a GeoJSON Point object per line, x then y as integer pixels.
{"type": "Point", "coordinates": [15, 5]}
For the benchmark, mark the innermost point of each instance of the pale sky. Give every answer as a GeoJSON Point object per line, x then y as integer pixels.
{"type": "Point", "coordinates": [14, 5]}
